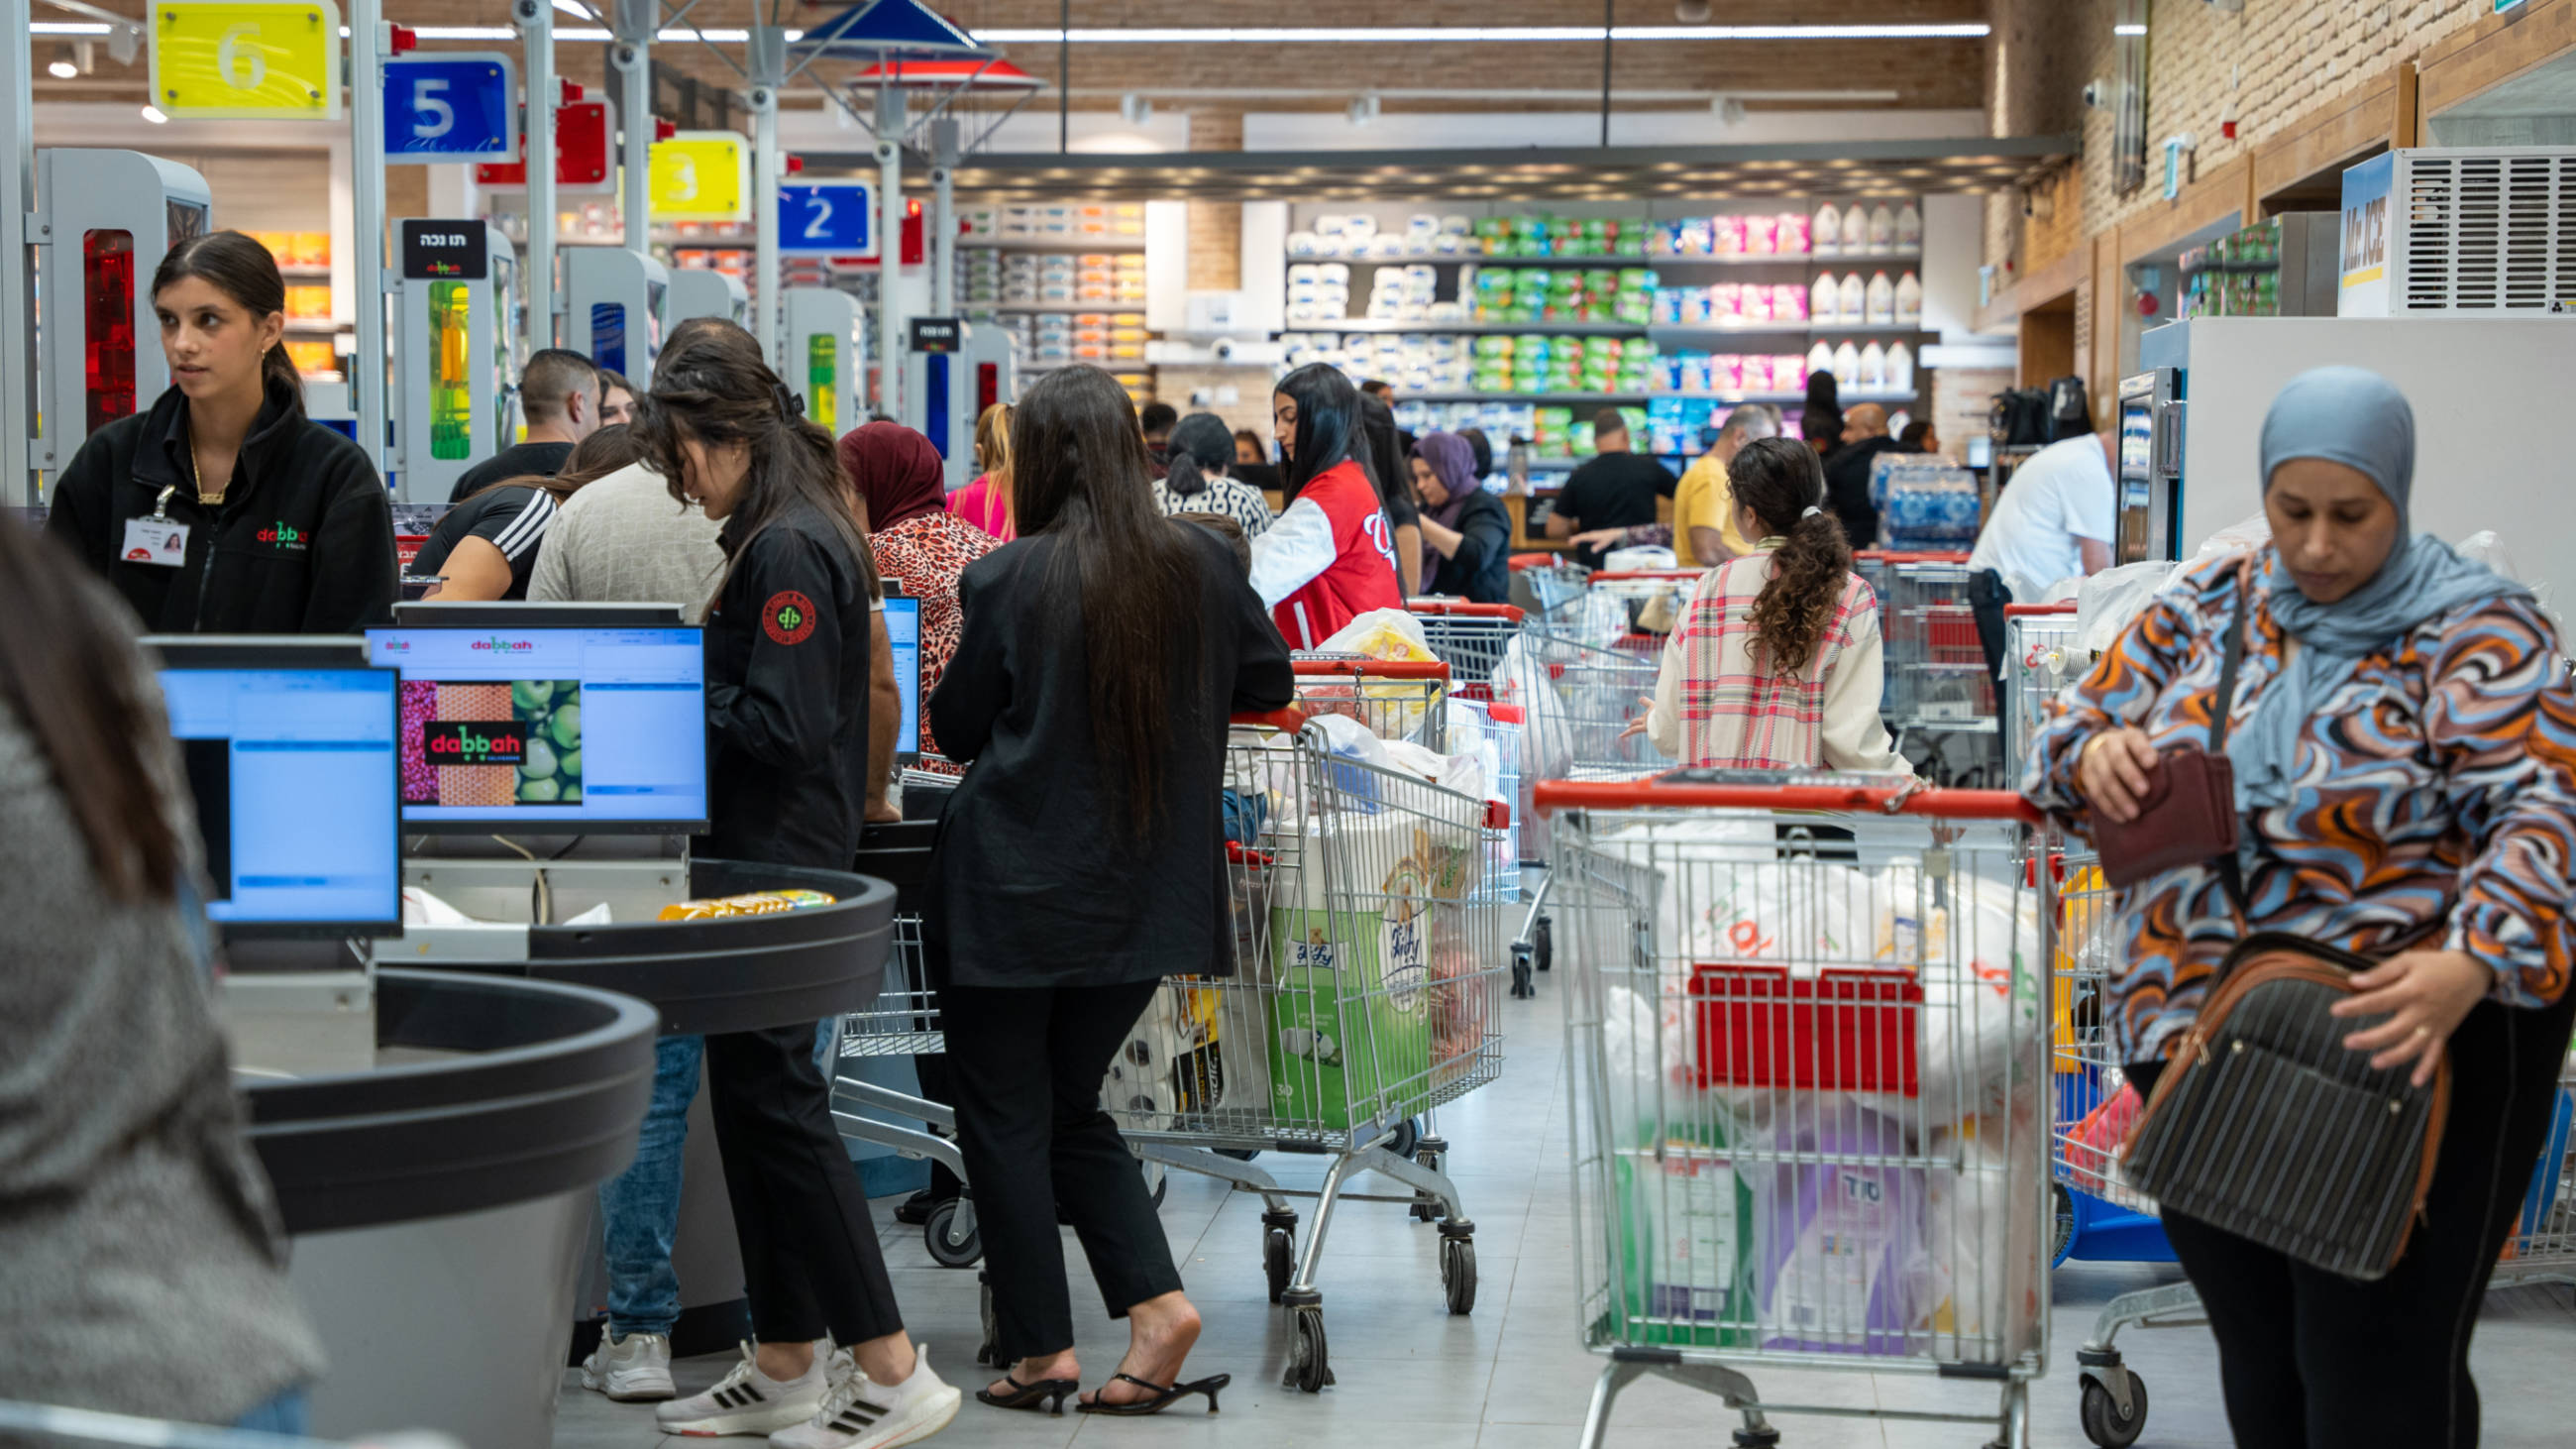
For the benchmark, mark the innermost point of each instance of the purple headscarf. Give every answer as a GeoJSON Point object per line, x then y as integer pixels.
{"type": "Point", "coordinates": [1453, 462]}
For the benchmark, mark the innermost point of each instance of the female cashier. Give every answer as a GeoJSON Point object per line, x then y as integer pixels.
{"type": "Point", "coordinates": [1331, 555]}
{"type": "Point", "coordinates": [223, 509]}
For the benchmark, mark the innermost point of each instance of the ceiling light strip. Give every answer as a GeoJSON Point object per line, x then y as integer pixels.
{"type": "Point", "coordinates": [1462, 34]}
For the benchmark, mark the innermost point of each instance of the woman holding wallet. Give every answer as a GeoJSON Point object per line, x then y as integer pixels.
{"type": "Point", "coordinates": [2403, 745]}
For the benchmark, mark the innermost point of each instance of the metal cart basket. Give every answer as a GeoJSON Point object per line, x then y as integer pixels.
{"type": "Point", "coordinates": [1469, 638]}
{"type": "Point", "coordinates": [1809, 1127]}
{"type": "Point", "coordinates": [1365, 991]}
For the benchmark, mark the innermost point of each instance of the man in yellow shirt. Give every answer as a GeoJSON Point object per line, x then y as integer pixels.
{"type": "Point", "coordinates": [1704, 531]}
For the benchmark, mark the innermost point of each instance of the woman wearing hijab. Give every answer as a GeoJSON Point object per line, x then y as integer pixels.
{"type": "Point", "coordinates": [917, 542]}
{"type": "Point", "coordinates": [1466, 535]}
{"type": "Point", "coordinates": [2404, 751]}
{"type": "Point", "coordinates": [1196, 459]}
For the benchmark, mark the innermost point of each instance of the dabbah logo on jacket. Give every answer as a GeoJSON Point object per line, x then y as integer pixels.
{"type": "Point", "coordinates": [788, 617]}
{"type": "Point", "coordinates": [474, 742]}
{"type": "Point", "coordinates": [285, 538]}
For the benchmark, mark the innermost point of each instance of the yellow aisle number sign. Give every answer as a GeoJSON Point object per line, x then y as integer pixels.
{"type": "Point", "coordinates": [702, 176]}
{"type": "Point", "coordinates": [218, 60]}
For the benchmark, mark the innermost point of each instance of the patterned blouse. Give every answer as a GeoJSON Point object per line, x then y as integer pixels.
{"type": "Point", "coordinates": [926, 553]}
{"type": "Point", "coordinates": [2435, 792]}
{"type": "Point", "coordinates": [1236, 500]}
{"type": "Point", "coordinates": [1718, 705]}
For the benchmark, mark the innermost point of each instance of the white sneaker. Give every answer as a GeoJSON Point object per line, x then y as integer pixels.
{"type": "Point", "coordinates": [630, 1369]}
{"type": "Point", "coordinates": [747, 1401]}
{"type": "Point", "coordinates": [860, 1413]}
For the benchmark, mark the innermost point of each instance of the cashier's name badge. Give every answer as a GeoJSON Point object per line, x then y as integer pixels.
{"type": "Point", "coordinates": [156, 541]}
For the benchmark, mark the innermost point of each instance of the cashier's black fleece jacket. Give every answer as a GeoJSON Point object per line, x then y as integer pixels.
{"type": "Point", "coordinates": [303, 542]}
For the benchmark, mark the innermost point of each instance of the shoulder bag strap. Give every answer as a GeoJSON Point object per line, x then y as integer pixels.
{"type": "Point", "coordinates": [2230, 873]}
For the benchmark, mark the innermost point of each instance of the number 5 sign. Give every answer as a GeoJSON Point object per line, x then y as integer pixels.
{"type": "Point", "coordinates": [219, 60]}
{"type": "Point", "coordinates": [453, 106]}
{"type": "Point", "coordinates": [702, 176]}
{"type": "Point", "coordinates": [829, 219]}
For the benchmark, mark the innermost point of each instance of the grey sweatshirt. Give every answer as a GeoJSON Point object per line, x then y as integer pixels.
{"type": "Point", "coordinates": [141, 1266]}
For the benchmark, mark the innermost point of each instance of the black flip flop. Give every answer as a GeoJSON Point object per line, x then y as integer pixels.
{"type": "Point", "coordinates": [1027, 1396]}
{"type": "Point", "coordinates": [1165, 1395]}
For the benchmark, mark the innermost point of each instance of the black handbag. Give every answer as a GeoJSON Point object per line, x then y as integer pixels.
{"type": "Point", "coordinates": [2263, 1123]}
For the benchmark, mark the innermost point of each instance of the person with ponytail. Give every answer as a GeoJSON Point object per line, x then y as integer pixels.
{"type": "Point", "coordinates": [1331, 556]}
{"type": "Point", "coordinates": [1776, 664]}
{"type": "Point", "coordinates": [222, 509]}
{"type": "Point", "coordinates": [791, 644]}
{"type": "Point", "coordinates": [986, 502]}
{"type": "Point", "coordinates": [1198, 454]}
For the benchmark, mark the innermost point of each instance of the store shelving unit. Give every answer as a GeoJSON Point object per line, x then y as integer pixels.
{"type": "Point", "coordinates": [1064, 245]}
{"type": "Point", "coordinates": [1385, 327]}
{"type": "Point", "coordinates": [1543, 399]}
{"type": "Point", "coordinates": [1697, 336]}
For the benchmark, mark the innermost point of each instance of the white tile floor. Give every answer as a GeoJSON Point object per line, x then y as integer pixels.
{"type": "Point", "coordinates": [1511, 1376]}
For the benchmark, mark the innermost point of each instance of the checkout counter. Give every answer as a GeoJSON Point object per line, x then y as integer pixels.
{"type": "Point", "coordinates": [437, 1102]}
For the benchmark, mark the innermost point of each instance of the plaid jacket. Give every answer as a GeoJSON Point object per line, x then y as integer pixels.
{"type": "Point", "coordinates": [1716, 704]}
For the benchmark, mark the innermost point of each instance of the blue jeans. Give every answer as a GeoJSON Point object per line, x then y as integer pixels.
{"type": "Point", "coordinates": [285, 1414]}
{"type": "Point", "coordinates": [639, 1208]}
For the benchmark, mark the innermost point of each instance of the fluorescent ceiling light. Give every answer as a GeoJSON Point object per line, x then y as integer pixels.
{"type": "Point", "coordinates": [153, 114]}
{"type": "Point", "coordinates": [573, 7]}
{"type": "Point", "coordinates": [2128, 30]}
{"type": "Point", "coordinates": [66, 27]}
{"type": "Point", "coordinates": [464, 32]}
{"type": "Point", "coordinates": [1436, 34]}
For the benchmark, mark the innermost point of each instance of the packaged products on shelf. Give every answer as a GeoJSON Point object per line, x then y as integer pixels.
{"type": "Point", "coordinates": [1847, 364]}
{"type": "Point", "coordinates": [1873, 369]}
{"type": "Point", "coordinates": [751, 903]}
{"type": "Point", "coordinates": [1881, 301]}
{"type": "Point", "coordinates": [1828, 231]}
{"type": "Point", "coordinates": [1855, 299]}
{"type": "Point", "coordinates": [1909, 300]}
{"type": "Point", "coordinates": [1909, 228]}
{"type": "Point", "coordinates": [1882, 228]}
{"type": "Point", "coordinates": [1825, 299]}
{"type": "Point", "coordinates": [1820, 358]}
{"type": "Point", "coordinates": [1900, 368]}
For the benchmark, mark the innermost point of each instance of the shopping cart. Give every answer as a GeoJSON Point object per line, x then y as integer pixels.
{"type": "Point", "coordinates": [2040, 658]}
{"type": "Point", "coordinates": [1365, 991]}
{"type": "Point", "coordinates": [24, 1423]}
{"type": "Point", "coordinates": [1545, 584]}
{"type": "Point", "coordinates": [1809, 1126]}
{"type": "Point", "coordinates": [1395, 699]}
{"type": "Point", "coordinates": [1654, 598]}
{"type": "Point", "coordinates": [1469, 638]}
{"type": "Point", "coordinates": [1939, 693]}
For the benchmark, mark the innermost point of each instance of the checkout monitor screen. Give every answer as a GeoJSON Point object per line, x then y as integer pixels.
{"type": "Point", "coordinates": [564, 731]}
{"type": "Point", "coordinates": [903, 632]}
{"type": "Point", "coordinates": [293, 773]}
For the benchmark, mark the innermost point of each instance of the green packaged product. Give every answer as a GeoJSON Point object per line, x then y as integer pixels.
{"type": "Point", "coordinates": [1685, 1229]}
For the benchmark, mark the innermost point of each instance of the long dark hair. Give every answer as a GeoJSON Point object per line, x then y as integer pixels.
{"type": "Point", "coordinates": [593, 458]}
{"type": "Point", "coordinates": [1820, 422]}
{"type": "Point", "coordinates": [715, 386]}
{"type": "Point", "coordinates": [1328, 424]}
{"type": "Point", "coordinates": [1200, 448]}
{"type": "Point", "coordinates": [243, 270]}
{"type": "Point", "coordinates": [1385, 460]}
{"type": "Point", "coordinates": [69, 671]}
{"type": "Point", "coordinates": [1784, 485]}
{"type": "Point", "coordinates": [1080, 476]}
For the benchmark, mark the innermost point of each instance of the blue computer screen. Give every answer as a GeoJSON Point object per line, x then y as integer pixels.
{"type": "Point", "coordinates": [560, 730]}
{"type": "Point", "coordinates": [293, 773]}
{"type": "Point", "coordinates": [903, 632]}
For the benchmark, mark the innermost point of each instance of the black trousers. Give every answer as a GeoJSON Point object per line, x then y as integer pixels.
{"type": "Point", "coordinates": [2310, 1358]}
{"type": "Point", "coordinates": [1986, 599]}
{"type": "Point", "coordinates": [1025, 1064]}
{"type": "Point", "coordinates": [810, 1260]}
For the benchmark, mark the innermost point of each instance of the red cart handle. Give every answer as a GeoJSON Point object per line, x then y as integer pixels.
{"type": "Point", "coordinates": [1881, 556]}
{"type": "Point", "coordinates": [1646, 574]}
{"type": "Point", "coordinates": [1521, 561]}
{"type": "Point", "coordinates": [2028, 611]}
{"type": "Point", "coordinates": [1461, 609]}
{"type": "Point", "coordinates": [1371, 668]}
{"type": "Point", "coordinates": [1663, 792]}
{"type": "Point", "coordinates": [1286, 721]}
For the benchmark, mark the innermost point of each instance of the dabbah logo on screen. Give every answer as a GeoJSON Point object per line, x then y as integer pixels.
{"type": "Point", "coordinates": [474, 742]}
{"type": "Point", "coordinates": [497, 644]}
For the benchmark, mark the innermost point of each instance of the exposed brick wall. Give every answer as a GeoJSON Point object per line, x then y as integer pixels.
{"type": "Point", "coordinates": [1216, 228]}
{"type": "Point", "coordinates": [1175, 384]}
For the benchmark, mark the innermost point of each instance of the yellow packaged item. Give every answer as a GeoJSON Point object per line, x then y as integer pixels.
{"type": "Point", "coordinates": [753, 903]}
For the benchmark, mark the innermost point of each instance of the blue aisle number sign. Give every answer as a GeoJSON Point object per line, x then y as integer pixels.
{"type": "Point", "coordinates": [451, 107]}
{"type": "Point", "coordinates": [828, 219]}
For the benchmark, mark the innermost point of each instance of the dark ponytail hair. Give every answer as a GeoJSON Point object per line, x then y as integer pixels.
{"type": "Point", "coordinates": [1783, 484]}
{"type": "Point", "coordinates": [1200, 446]}
{"type": "Point", "coordinates": [715, 386]}
{"type": "Point", "coordinates": [1820, 422]}
{"type": "Point", "coordinates": [241, 269]}
{"type": "Point", "coordinates": [1384, 459]}
{"type": "Point", "coordinates": [1328, 424]}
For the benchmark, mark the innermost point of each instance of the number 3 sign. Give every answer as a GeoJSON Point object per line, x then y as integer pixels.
{"type": "Point", "coordinates": [702, 176]}
{"type": "Point", "coordinates": [219, 60]}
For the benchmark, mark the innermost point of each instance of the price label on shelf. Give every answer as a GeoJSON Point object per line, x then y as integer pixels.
{"type": "Point", "coordinates": [218, 60]}
{"type": "Point", "coordinates": [702, 176]}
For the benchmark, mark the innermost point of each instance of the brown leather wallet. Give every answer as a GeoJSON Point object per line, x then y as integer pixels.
{"type": "Point", "coordinates": [2187, 815]}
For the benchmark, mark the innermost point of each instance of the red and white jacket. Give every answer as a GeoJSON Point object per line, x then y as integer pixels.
{"type": "Point", "coordinates": [1329, 558]}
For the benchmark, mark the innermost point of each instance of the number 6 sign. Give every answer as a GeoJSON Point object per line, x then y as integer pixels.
{"type": "Point", "coordinates": [220, 60]}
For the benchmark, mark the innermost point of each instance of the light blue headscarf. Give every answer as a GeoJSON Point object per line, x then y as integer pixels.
{"type": "Point", "coordinates": [2357, 418]}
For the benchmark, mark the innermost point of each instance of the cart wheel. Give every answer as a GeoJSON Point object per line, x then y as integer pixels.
{"type": "Point", "coordinates": [1458, 1275]}
{"type": "Point", "coordinates": [2103, 1423]}
{"type": "Point", "coordinates": [1309, 1368]}
{"type": "Point", "coordinates": [947, 1249]}
{"type": "Point", "coordinates": [989, 1353]}
{"type": "Point", "coordinates": [1543, 944]}
{"type": "Point", "coordinates": [1521, 986]}
{"type": "Point", "coordinates": [2062, 1229]}
{"type": "Point", "coordinates": [1278, 1254]}
{"type": "Point", "coordinates": [1408, 1136]}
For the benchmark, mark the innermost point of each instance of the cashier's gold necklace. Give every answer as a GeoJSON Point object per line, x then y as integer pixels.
{"type": "Point", "coordinates": [204, 498]}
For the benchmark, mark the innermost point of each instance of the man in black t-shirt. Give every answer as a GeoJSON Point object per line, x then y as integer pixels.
{"type": "Point", "coordinates": [1615, 490]}
{"type": "Point", "coordinates": [559, 394]}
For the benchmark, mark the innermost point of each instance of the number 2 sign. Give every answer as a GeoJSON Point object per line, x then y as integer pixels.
{"type": "Point", "coordinates": [453, 106]}
{"type": "Point", "coordinates": [828, 219]}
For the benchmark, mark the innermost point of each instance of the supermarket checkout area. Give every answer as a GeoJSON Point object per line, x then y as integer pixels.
{"type": "Point", "coordinates": [440, 858]}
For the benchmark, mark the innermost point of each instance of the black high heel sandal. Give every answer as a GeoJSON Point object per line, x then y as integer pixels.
{"type": "Point", "coordinates": [1165, 1395]}
{"type": "Point", "coordinates": [1026, 1396]}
